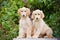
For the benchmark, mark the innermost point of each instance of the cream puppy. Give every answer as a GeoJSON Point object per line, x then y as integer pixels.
{"type": "Point", "coordinates": [25, 25]}
{"type": "Point", "coordinates": [40, 27]}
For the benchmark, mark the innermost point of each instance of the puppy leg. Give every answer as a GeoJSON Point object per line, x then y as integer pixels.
{"type": "Point", "coordinates": [49, 34]}
{"type": "Point", "coordinates": [21, 33]}
{"type": "Point", "coordinates": [36, 34]}
{"type": "Point", "coordinates": [29, 33]}
{"type": "Point", "coordinates": [32, 32]}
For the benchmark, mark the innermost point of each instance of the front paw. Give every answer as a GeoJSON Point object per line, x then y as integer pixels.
{"type": "Point", "coordinates": [20, 37]}
{"type": "Point", "coordinates": [45, 36]}
{"type": "Point", "coordinates": [34, 37]}
{"type": "Point", "coordinates": [29, 37]}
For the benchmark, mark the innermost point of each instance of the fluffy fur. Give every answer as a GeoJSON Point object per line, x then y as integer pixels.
{"type": "Point", "coordinates": [40, 27]}
{"type": "Point", "coordinates": [25, 24]}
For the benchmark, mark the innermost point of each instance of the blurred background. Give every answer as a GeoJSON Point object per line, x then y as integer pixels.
{"type": "Point", "coordinates": [9, 17]}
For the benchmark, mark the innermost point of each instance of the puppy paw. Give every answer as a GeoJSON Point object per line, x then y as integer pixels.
{"type": "Point", "coordinates": [20, 37]}
{"type": "Point", "coordinates": [29, 37]}
{"type": "Point", "coordinates": [34, 37]}
{"type": "Point", "coordinates": [45, 36]}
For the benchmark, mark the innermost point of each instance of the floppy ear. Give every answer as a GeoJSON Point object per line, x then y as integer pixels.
{"type": "Point", "coordinates": [32, 15]}
{"type": "Point", "coordinates": [42, 14]}
{"type": "Point", "coordinates": [19, 12]}
{"type": "Point", "coordinates": [28, 11]}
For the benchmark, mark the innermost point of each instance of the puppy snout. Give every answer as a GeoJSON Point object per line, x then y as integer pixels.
{"type": "Point", "coordinates": [23, 15]}
{"type": "Point", "coordinates": [36, 18]}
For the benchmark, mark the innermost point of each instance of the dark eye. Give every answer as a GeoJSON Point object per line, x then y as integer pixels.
{"type": "Point", "coordinates": [35, 14]}
{"type": "Point", "coordinates": [38, 14]}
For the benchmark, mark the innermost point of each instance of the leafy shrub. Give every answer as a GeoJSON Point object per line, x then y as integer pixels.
{"type": "Point", "coordinates": [9, 16]}
{"type": "Point", "coordinates": [9, 19]}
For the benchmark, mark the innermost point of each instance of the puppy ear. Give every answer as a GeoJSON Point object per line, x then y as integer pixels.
{"type": "Point", "coordinates": [28, 11]}
{"type": "Point", "coordinates": [18, 11]}
{"type": "Point", "coordinates": [42, 14]}
{"type": "Point", "coordinates": [32, 17]}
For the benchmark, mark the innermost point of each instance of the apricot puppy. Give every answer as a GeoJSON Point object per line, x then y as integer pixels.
{"type": "Point", "coordinates": [25, 24]}
{"type": "Point", "coordinates": [40, 27]}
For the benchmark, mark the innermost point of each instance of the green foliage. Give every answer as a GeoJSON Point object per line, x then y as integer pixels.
{"type": "Point", "coordinates": [9, 16]}
{"type": "Point", "coordinates": [9, 19]}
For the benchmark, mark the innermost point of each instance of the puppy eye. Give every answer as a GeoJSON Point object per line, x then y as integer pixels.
{"type": "Point", "coordinates": [35, 14]}
{"type": "Point", "coordinates": [38, 14]}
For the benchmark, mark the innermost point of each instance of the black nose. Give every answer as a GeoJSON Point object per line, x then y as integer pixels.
{"type": "Point", "coordinates": [36, 18]}
{"type": "Point", "coordinates": [23, 15]}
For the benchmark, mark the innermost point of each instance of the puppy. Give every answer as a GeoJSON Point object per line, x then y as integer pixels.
{"type": "Point", "coordinates": [25, 24]}
{"type": "Point", "coordinates": [40, 27]}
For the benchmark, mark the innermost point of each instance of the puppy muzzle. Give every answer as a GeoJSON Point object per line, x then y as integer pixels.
{"type": "Point", "coordinates": [37, 19]}
{"type": "Point", "coordinates": [23, 15]}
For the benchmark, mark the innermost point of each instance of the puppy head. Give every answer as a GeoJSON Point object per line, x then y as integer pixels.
{"type": "Point", "coordinates": [37, 15]}
{"type": "Point", "coordinates": [24, 12]}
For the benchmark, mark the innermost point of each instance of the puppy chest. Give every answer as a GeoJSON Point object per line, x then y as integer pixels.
{"type": "Point", "coordinates": [37, 24]}
{"type": "Point", "coordinates": [24, 23]}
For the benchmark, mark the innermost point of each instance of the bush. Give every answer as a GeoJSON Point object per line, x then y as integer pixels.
{"type": "Point", "coordinates": [9, 17]}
